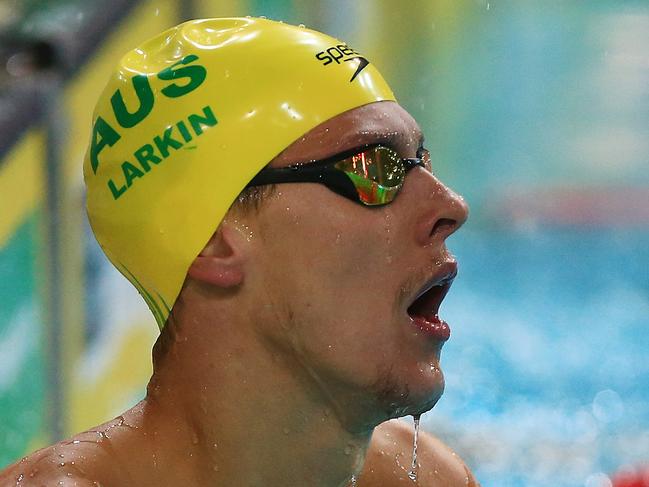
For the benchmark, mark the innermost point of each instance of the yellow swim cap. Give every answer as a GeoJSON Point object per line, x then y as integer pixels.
{"type": "Point", "coordinates": [187, 120]}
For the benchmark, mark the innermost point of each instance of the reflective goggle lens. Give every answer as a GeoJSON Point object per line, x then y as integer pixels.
{"type": "Point", "coordinates": [376, 173]}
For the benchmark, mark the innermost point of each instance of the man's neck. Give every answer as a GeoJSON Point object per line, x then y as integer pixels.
{"type": "Point", "coordinates": [236, 413]}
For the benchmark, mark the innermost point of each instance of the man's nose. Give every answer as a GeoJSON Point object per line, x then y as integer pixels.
{"type": "Point", "coordinates": [447, 211]}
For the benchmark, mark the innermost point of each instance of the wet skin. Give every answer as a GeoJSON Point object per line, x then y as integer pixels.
{"type": "Point", "coordinates": [352, 271]}
{"type": "Point", "coordinates": [291, 341]}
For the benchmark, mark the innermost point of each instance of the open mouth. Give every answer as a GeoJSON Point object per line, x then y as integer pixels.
{"type": "Point", "coordinates": [424, 310]}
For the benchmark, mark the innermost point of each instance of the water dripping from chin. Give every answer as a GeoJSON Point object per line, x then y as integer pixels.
{"type": "Point", "coordinates": [412, 474]}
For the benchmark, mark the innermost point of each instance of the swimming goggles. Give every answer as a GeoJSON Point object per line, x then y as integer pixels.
{"type": "Point", "coordinates": [370, 176]}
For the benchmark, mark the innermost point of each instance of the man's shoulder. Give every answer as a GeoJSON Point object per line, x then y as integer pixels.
{"type": "Point", "coordinates": [389, 459]}
{"type": "Point", "coordinates": [15, 475]}
{"type": "Point", "coordinates": [71, 462]}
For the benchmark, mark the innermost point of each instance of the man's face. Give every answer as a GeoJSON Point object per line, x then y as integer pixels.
{"type": "Point", "coordinates": [334, 280]}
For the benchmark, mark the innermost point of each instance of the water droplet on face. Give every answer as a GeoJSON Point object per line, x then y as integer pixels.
{"type": "Point", "coordinates": [203, 404]}
{"type": "Point", "coordinates": [352, 481]}
{"type": "Point", "coordinates": [286, 431]}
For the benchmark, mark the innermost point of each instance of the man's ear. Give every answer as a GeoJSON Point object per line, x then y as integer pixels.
{"type": "Point", "coordinates": [220, 263]}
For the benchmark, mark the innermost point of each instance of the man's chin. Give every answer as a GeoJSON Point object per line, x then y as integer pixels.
{"type": "Point", "coordinates": [412, 398]}
{"type": "Point", "coordinates": [391, 398]}
{"type": "Point", "coordinates": [426, 404]}
{"type": "Point", "coordinates": [411, 407]}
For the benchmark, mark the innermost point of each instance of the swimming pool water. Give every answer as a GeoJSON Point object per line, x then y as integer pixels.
{"type": "Point", "coordinates": [547, 370]}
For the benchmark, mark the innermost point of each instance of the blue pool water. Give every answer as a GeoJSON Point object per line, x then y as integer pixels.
{"type": "Point", "coordinates": [548, 367]}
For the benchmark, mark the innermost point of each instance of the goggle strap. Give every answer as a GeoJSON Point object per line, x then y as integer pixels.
{"type": "Point", "coordinates": [291, 174]}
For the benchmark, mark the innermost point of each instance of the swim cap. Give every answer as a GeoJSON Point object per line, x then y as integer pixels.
{"type": "Point", "coordinates": [187, 120]}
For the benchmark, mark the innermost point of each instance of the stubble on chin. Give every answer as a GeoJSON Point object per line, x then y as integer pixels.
{"type": "Point", "coordinates": [395, 399]}
{"type": "Point", "coordinates": [391, 395]}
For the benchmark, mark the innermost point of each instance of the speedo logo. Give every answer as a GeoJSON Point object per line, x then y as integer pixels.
{"type": "Point", "coordinates": [341, 53]}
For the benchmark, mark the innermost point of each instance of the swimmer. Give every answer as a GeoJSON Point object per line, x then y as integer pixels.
{"type": "Point", "coordinates": [277, 210]}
